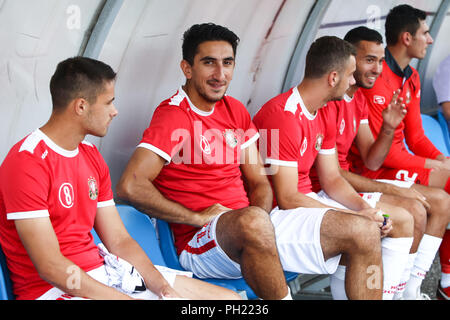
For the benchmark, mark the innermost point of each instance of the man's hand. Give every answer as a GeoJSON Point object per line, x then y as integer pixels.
{"type": "Point", "coordinates": [410, 194]}
{"type": "Point", "coordinates": [211, 212]}
{"type": "Point", "coordinates": [394, 113]}
{"type": "Point", "coordinates": [374, 215]}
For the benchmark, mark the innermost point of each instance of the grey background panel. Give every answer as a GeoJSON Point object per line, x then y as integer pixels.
{"type": "Point", "coordinates": [141, 40]}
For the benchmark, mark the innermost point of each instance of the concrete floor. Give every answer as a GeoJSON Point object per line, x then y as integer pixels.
{"type": "Point", "coordinates": [308, 287]}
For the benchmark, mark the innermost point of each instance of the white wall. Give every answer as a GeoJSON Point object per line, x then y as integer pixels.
{"type": "Point", "coordinates": [144, 47]}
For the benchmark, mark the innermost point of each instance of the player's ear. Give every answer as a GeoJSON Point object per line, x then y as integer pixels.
{"type": "Point", "coordinates": [333, 78]}
{"type": "Point", "coordinates": [405, 38]}
{"type": "Point", "coordinates": [79, 106]}
{"type": "Point", "coordinates": [186, 68]}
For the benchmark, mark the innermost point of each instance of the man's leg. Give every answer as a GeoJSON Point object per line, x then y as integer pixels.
{"type": "Point", "coordinates": [440, 179]}
{"type": "Point", "coordinates": [358, 238]}
{"type": "Point", "coordinates": [248, 238]}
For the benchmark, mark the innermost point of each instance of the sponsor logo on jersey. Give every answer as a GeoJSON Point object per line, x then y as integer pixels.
{"type": "Point", "coordinates": [304, 146]}
{"type": "Point", "coordinates": [342, 127]}
{"type": "Point", "coordinates": [379, 99]}
{"type": "Point", "coordinates": [66, 195]}
{"type": "Point", "coordinates": [204, 144]}
{"type": "Point", "coordinates": [319, 142]}
{"type": "Point", "coordinates": [93, 189]}
{"type": "Point", "coordinates": [230, 138]}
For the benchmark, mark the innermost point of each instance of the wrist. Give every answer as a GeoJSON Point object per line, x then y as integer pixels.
{"type": "Point", "coordinates": [387, 129]}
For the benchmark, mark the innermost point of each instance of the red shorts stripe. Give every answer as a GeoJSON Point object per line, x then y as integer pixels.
{"type": "Point", "coordinates": [202, 249]}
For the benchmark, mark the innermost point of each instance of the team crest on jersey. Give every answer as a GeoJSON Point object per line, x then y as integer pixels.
{"type": "Point", "coordinates": [408, 96]}
{"type": "Point", "coordinates": [93, 189]}
{"type": "Point", "coordinates": [379, 99]}
{"type": "Point", "coordinates": [303, 147]}
{"type": "Point", "coordinates": [319, 142]}
{"type": "Point", "coordinates": [342, 127]}
{"type": "Point", "coordinates": [230, 138]}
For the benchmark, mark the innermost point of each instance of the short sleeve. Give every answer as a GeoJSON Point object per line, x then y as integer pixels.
{"type": "Point", "coordinates": [26, 189]}
{"type": "Point", "coordinates": [279, 147]}
{"type": "Point", "coordinates": [330, 122]}
{"type": "Point", "coordinates": [105, 193]}
{"type": "Point", "coordinates": [169, 129]}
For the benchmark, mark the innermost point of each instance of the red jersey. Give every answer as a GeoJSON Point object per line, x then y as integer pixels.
{"type": "Point", "coordinates": [291, 136]}
{"type": "Point", "coordinates": [349, 113]}
{"type": "Point", "coordinates": [40, 179]}
{"type": "Point", "coordinates": [391, 79]}
{"type": "Point", "coordinates": [202, 152]}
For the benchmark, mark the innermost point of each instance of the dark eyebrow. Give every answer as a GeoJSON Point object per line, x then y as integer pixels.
{"type": "Point", "coordinates": [208, 58]}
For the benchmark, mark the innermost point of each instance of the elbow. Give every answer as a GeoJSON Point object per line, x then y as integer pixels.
{"type": "Point", "coordinates": [373, 165]}
{"type": "Point", "coordinates": [124, 189]}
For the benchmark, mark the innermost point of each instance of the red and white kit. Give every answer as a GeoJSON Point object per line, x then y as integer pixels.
{"type": "Point", "coordinates": [301, 137]}
{"type": "Point", "coordinates": [203, 154]}
{"type": "Point", "coordinates": [399, 163]}
{"type": "Point", "coordinates": [40, 179]}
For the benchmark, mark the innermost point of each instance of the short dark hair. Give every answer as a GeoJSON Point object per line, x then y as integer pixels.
{"type": "Point", "coordinates": [326, 54]}
{"type": "Point", "coordinates": [400, 19]}
{"type": "Point", "coordinates": [200, 33]}
{"type": "Point", "coordinates": [362, 33]}
{"type": "Point", "coordinates": [79, 77]}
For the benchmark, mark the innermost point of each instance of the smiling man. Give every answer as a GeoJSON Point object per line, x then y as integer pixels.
{"type": "Point", "coordinates": [190, 168]}
{"type": "Point", "coordinates": [55, 187]}
{"type": "Point", "coordinates": [408, 37]}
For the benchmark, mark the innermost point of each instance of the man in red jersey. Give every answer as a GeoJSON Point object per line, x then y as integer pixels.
{"type": "Point", "coordinates": [312, 232]}
{"type": "Point", "coordinates": [190, 168]}
{"type": "Point", "coordinates": [353, 127]}
{"type": "Point", "coordinates": [55, 187]}
{"type": "Point", "coordinates": [407, 36]}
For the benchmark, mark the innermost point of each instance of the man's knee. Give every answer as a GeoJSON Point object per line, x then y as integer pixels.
{"type": "Point", "coordinates": [403, 220]}
{"type": "Point", "coordinates": [254, 227]}
{"type": "Point", "coordinates": [366, 235]}
{"type": "Point", "coordinates": [355, 234]}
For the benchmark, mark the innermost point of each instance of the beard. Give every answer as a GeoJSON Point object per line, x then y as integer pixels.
{"type": "Point", "coordinates": [208, 97]}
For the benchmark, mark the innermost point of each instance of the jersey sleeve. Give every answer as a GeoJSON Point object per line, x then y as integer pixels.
{"type": "Point", "coordinates": [105, 193]}
{"type": "Point", "coordinates": [415, 136]}
{"type": "Point", "coordinates": [27, 187]}
{"type": "Point", "coordinates": [279, 146]}
{"type": "Point", "coordinates": [364, 111]}
{"type": "Point", "coordinates": [329, 142]}
{"type": "Point", "coordinates": [251, 133]}
{"type": "Point", "coordinates": [169, 129]}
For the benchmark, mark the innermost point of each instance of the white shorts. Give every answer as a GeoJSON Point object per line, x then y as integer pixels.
{"type": "Point", "coordinates": [205, 258]}
{"type": "Point", "coordinates": [298, 240]}
{"type": "Point", "coordinates": [101, 275]}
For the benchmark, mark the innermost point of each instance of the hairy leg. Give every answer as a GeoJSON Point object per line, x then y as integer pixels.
{"type": "Point", "coordinates": [358, 239]}
{"type": "Point", "coordinates": [248, 238]}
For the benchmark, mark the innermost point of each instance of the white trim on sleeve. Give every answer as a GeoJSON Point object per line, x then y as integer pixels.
{"type": "Point", "coordinates": [282, 163]}
{"type": "Point", "coordinates": [107, 203]}
{"type": "Point", "coordinates": [327, 151]}
{"type": "Point", "coordinates": [364, 121]}
{"type": "Point", "coordinates": [250, 141]}
{"type": "Point", "coordinates": [27, 215]}
{"type": "Point", "coordinates": [159, 152]}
